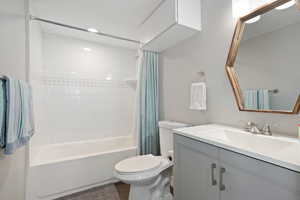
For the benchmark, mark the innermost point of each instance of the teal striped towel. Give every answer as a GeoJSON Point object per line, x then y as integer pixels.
{"type": "Point", "coordinates": [257, 99]}
{"type": "Point", "coordinates": [251, 99]}
{"type": "Point", "coordinates": [19, 115]}
{"type": "Point", "coordinates": [264, 99]}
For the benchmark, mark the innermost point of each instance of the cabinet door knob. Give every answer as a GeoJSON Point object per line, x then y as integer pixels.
{"type": "Point", "coordinates": [222, 186]}
{"type": "Point", "coordinates": [213, 180]}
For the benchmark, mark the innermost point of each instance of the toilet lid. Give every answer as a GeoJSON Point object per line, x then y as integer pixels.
{"type": "Point", "coordinates": [138, 164]}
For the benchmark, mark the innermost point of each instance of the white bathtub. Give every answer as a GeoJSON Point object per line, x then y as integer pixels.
{"type": "Point", "coordinates": [61, 169]}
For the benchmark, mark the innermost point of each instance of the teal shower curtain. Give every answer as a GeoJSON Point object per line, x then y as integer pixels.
{"type": "Point", "coordinates": [148, 104]}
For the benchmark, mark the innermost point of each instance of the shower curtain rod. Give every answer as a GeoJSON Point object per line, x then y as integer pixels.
{"type": "Point", "coordinates": [82, 29]}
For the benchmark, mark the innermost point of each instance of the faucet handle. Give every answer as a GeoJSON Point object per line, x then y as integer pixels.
{"type": "Point", "coordinates": [266, 130]}
{"type": "Point", "coordinates": [255, 130]}
{"type": "Point", "coordinates": [249, 126]}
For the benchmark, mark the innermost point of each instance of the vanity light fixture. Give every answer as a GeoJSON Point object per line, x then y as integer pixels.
{"type": "Point", "coordinates": [239, 8]}
{"type": "Point", "coordinates": [243, 7]}
{"type": "Point", "coordinates": [87, 49]}
{"type": "Point", "coordinates": [108, 77]}
{"type": "Point", "coordinates": [286, 5]}
{"type": "Point", "coordinates": [93, 30]}
{"type": "Point", "coordinates": [253, 20]}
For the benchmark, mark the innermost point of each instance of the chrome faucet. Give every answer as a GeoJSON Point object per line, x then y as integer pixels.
{"type": "Point", "coordinates": [251, 127]}
{"type": "Point", "coordinates": [266, 130]}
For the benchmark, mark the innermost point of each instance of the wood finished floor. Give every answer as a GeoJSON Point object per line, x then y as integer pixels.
{"type": "Point", "coordinates": [123, 190]}
{"type": "Point", "coordinates": [100, 193]}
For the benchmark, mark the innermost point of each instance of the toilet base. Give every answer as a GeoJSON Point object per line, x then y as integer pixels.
{"type": "Point", "coordinates": [159, 189]}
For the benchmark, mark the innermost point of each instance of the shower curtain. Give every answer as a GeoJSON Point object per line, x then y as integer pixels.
{"type": "Point", "coordinates": [147, 121]}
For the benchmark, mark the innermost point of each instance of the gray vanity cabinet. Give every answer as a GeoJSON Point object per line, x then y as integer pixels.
{"type": "Point", "coordinates": [238, 177]}
{"type": "Point", "coordinates": [248, 179]}
{"type": "Point", "coordinates": [196, 173]}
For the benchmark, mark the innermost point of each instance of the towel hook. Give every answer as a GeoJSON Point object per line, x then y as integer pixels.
{"type": "Point", "coordinates": [202, 76]}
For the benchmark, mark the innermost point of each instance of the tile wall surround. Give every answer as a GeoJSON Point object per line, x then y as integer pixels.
{"type": "Point", "coordinates": [75, 82]}
{"type": "Point", "coordinates": [84, 98]}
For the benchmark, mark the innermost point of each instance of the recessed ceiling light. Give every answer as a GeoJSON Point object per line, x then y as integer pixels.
{"type": "Point", "coordinates": [87, 49]}
{"type": "Point", "coordinates": [93, 30]}
{"type": "Point", "coordinates": [255, 19]}
{"type": "Point", "coordinates": [108, 77]}
{"type": "Point", "coordinates": [286, 5]}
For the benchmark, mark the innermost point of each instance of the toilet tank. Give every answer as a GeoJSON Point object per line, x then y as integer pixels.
{"type": "Point", "coordinates": [166, 136]}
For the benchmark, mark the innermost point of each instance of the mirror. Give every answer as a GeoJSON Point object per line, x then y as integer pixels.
{"type": "Point", "coordinates": [264, 61]}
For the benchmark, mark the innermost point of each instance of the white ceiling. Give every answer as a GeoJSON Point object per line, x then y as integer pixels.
{"type": "Point", "coordinates": [117, 17]}
{"type": "Point", "coordinates": [272, 21]}
{"type": "Point", "coordinates": [12, 7]}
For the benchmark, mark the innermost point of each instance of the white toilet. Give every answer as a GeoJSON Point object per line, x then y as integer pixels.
{"type": "Point", "coordinates": [150, 176]}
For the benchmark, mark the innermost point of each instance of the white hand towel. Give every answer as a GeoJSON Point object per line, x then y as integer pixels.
{"type": "Point", "coordinates": [198, 96]}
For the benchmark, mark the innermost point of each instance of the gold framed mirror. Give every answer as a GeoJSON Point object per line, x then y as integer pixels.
{"type": "Point", "coordinates": [263, 63]}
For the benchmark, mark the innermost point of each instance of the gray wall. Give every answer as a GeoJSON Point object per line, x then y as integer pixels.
{"type": "Point", "coordinates": [12, 63]}
{"type": "Point", "coordinates": [207, 52]}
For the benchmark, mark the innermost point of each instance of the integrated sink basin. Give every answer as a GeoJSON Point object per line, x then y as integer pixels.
{"type": "Point", "coordinates": [250, 141]}
{"type": "Point", "coordinates": [282, 151]}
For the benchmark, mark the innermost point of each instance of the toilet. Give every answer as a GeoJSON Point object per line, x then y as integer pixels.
{"type": "Point", "coordinates": [150, 176]}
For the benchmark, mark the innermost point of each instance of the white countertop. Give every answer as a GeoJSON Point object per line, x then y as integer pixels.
{"type": "Point", "coordinates": [278, 150]}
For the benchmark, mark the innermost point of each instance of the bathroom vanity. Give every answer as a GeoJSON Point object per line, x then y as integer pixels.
{"type": "Point", "coordinates": [218, 162]}
{"type": "Point", "coordinates": [214, 162]}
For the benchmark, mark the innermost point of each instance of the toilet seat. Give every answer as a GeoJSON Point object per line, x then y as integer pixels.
{"type": "Point", "coordinates": [148, 176]}
{"type": "Point", "coordinates": [138, 164]}
{"type": "Point", "coordinates": [141, 172]}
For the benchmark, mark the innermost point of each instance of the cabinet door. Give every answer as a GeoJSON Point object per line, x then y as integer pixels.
{"type": "Point", "coordinates": [250, 179]}
{"type": "Point", "coordinates": [162, 18]}
{"type": "Point", "coordinates": [195, 172]}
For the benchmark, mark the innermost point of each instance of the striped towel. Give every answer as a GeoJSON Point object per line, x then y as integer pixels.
{"type": "Point", "coordinates": [264, 99]}
{"type": "Point", "coordinates": [251, 99]}
{"type": "Point", "coordinates": [19, 117]}
{"type": "Point", "coordinates": [257, 99]}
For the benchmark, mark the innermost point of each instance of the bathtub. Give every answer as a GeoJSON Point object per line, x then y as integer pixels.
{"type": "Point", "coordinates": [61, 169]}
